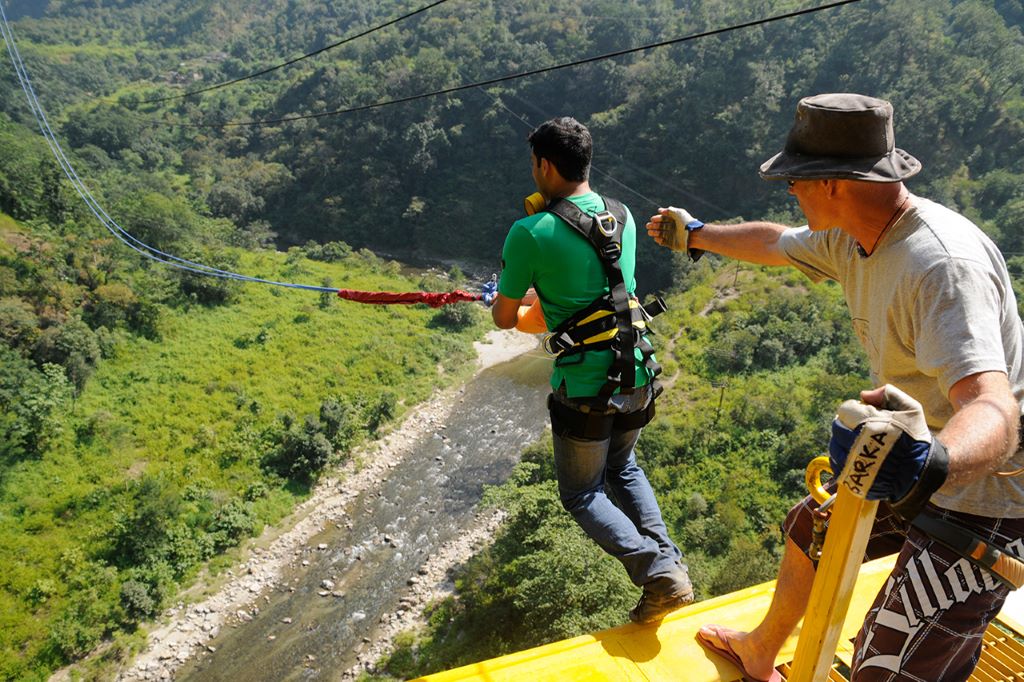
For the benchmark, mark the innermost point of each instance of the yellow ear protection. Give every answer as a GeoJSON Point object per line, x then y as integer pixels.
{"type": "Point", "coordinates": [534, 203]}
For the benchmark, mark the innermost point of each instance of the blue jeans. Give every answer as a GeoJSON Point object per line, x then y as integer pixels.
{"type": "Point", "coordinates": [632, 530]}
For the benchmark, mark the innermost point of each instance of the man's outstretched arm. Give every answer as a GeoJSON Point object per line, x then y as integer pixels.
{"type": "Point", "coordinates": [754, 242]}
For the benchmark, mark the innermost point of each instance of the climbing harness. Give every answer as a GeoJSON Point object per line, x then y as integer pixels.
{"type": "Point", "coordinates": [596, 324]}
{"type": "Point", "coordinates": [1000, 562]}
{"type": "Point", "coordinates": [615, 321]}
{"type": "Point", "coordinates": [594, 422]}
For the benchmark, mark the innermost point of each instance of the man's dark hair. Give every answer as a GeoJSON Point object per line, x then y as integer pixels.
{"type": "Point", "coordinates": [566, 143]}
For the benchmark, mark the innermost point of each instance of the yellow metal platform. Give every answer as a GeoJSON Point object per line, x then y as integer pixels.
{"type": "Point", "coordinates": [669, 650]}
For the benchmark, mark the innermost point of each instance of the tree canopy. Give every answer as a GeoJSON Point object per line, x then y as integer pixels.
{"type": "Point", "coordinates": [686, 124]}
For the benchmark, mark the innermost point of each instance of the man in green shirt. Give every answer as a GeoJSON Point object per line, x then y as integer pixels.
{"type": "Point", "coordinates": [544, 257]}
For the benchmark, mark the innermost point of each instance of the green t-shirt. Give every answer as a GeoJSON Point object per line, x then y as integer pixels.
{"type": "Point", "coordinates": [544, 252]}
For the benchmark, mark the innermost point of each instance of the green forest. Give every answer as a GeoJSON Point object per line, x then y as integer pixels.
{"type": "Point", "coordinates": [127, 467]}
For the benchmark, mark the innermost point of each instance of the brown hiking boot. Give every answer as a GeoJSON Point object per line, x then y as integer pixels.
{"type": "Point", "coordinates": [655, 604]}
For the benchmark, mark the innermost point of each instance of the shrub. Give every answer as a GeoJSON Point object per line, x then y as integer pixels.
{"type": "Point", "coordinates": [381, 410]}
{"type": "Point", "coordinates": [302, 452]}
{"type": "Point", "coordinates": [340, 422]}
{"type": "Point", "coordinates": [74, 346]}
{"type": "Point", "coordinates": [456, 317]}
{"type": "Point", "coordinates": [257, 338]}
{"type": "Point", "coordinates": [136, 601]}
{"type": "Point", "coordinates": [209, 289]}
{"type": "Point", "coordinates": [255, 491]}
{"type": "Point", "coordinates": [91, 609]}
{"type": "Point", "coordinates": [141, 530]}
{"type": "Point", "coordinates": [231, 523]}
{"type": "Point", "coordinates": [19, 326]}
{"type": "Point", "coordinates": [32, 405]}
{"type": "Point", "coordinates": [255, 235]}
{"type": "Point", "coordinates": [788, 328]}
{"type": "Point", "coordinates": [327, 298]}
{"type": "Point", "coordinates": [330, 252]}
{"type": "Point", "coordinates": [110, 305]}
{"type": "Point", "coordinates": [185, 547]}
{"type": "Point", "coordinates": [41, 591]}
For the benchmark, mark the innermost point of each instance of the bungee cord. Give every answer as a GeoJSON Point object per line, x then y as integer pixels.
{"type": "Point", "coordinates": [83, 190]}
{"type": "Point", "coordinates": [58, 152]}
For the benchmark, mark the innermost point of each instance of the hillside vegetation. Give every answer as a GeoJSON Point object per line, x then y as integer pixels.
{"type": "Point", "coordinates": [141, 438]}
{"type": "Point", "coordinates": [151, 419]}
{"type": "Point", "coordinates": [443, 176]}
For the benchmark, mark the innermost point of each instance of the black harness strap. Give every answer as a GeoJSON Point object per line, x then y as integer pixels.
{"type": "Point", "coordinates": [595, 424]}
{"type": "Point", "coordinates": [604, 232]}
{"type": "Point", "coordinates": [585, 329]}
{"type": "Point", "coordinates": [1003, 564]}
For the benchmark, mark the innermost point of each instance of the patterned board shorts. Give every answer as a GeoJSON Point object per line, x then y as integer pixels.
{"type": "Point", "coordinates": [927, 622]}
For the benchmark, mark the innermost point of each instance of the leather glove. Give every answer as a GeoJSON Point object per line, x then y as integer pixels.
{"type": "Point", "coordinates": [914, 464]}
{"type": "Point", "coordinates": [673, 230]}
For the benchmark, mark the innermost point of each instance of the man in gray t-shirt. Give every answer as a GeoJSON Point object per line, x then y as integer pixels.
{"type": "Point", "coordinates": [933, 306]}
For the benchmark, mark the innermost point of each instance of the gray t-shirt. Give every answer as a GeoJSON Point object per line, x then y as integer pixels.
{"type": "Point", "coordinates": [933, 304]}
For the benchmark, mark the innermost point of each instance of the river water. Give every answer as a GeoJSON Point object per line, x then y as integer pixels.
{"type": "Point", "coordinates": [425, 501]}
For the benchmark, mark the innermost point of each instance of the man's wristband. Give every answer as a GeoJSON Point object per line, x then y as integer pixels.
{"type": "Point", "coordinates": [693, 226]}
{"type": "Point", "coordinates": [931, 478]}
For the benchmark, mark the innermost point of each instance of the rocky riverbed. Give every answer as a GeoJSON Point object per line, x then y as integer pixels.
{"type": "Point", "coordinates": [191, 626]}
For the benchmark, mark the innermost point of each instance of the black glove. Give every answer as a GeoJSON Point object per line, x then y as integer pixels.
{"type": "Point", "coordinates": [914, 463]}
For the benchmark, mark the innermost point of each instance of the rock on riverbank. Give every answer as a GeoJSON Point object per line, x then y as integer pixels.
{"type": "Point", "coordinates": [188, 628]}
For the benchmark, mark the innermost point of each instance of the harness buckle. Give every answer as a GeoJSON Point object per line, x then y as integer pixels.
{"type": "Point", "coordinates": [611, 251]}
{"type": "Point", "coordinates": [557, 343]}
{"type": "Point", "coordinates": [655, 307]}
{"type": "Point", "coordinates": [606, 223]}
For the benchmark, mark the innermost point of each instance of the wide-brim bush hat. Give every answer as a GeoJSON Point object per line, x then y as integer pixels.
{"type": "Point", "coordinates": [843, 136]}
